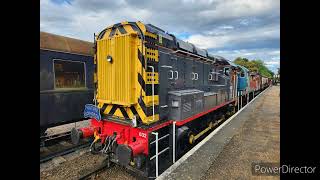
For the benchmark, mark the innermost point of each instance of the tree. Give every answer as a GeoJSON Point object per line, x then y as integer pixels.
{"type": "Point", "coordinates": [254, 66]}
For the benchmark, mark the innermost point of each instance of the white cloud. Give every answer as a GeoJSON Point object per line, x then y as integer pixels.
{"type": "Point", "coordinates": [210, 40]}
{"type": "Point", "coordinates": [71, 20]}
{"type": "Point", "coordinates": [208, 23]}
{"type": "Point", "coordinates": [272, 62]}
{"type": "Point", "coordinates": [82, 18]}
{"type": "Point", "coordinates": [226, 9]}
{"type": "Point", "coordinates": [261, 54]}
{"type": "Point", "coordinates": [227, 27]}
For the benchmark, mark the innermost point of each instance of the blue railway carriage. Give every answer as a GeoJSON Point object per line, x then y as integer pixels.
{"type": "Point", "coordinates": [66, 79]}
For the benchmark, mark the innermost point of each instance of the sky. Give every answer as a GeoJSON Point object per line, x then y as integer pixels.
{"type": "Point", "coordinates": [228, 28]}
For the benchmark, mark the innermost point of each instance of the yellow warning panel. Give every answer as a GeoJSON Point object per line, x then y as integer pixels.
{"type": "Point", "coordinates": [117, 72]}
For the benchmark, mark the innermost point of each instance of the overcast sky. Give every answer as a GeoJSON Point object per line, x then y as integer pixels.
{"type": "Point", "coordinates": [229, 28]}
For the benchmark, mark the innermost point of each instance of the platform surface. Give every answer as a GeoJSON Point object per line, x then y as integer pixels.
{"type": "Point", "coordinates": [252, 136]}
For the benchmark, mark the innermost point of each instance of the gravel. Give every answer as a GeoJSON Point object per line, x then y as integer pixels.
{"type": "Point", "coordinates": [74, 168]}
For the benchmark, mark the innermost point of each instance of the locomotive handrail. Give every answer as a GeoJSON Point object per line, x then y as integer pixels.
{"type": "Point", "coordinates": [160, 139]}
{"type": "Point", "coordinates": [165, 149]}
{"type": "Point", "coordinates": [157, 150]}
{"type": "Point", "coordinates": [174, 142]}
{"type": "Point", "coordinates": [152, 93]}
{"type": "Point", "coordinates": [156, 134]}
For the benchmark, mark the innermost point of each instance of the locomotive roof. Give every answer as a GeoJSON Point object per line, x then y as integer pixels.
{"type": "Point", "coordinates": [224, 61]}
{"type": "Point", "coordinates": [219, 59]}
{"type": "Point", "coordinates": [65, 44]}
{"type": "Point", "coordinates": [157, 30]}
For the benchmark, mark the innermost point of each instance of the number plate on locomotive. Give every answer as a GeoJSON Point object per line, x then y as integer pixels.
{"type": "Point", "coordinates": [92, 111]}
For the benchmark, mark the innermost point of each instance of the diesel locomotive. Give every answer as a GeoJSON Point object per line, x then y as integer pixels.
{"type": "Point", "coordinates": [155, 96]}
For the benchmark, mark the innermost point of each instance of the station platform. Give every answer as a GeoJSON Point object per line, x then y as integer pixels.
{"type": "Point", "coordinates": [253, 135]}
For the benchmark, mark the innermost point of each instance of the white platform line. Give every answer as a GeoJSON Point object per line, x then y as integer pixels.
{"type": "Point", "coordinates": [194, 149]}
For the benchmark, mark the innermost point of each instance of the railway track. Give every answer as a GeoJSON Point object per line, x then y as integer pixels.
{"type": "Point", "coordinates": [53, 139]}
{"type": "Point", "coordinates": [61, 148]}
{"type": "Point", "coordinates": [95, 171]}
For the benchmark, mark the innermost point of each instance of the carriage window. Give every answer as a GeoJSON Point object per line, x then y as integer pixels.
{"type": "Point", "coordinates": [69, 74]}
{"type": "Point", "coordinates": [227, 71]}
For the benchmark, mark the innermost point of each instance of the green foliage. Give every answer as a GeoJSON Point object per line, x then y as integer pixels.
{"type": "Point", "coordinates": [255, 66]}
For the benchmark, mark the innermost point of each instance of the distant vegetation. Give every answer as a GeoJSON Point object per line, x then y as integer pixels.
{"type": "Point", "coordinates": [254, 65]}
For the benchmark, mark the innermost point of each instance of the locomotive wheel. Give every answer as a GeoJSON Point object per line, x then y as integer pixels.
{"type": "Point", "coordinates": [210, 125]}
{"type": "Point", "coordinates": [182, 139]}
{"type": "Point", "coordinates": [191, 138]}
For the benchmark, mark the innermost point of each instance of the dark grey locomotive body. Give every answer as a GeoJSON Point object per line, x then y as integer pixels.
{"type": "Point", "coordinates": [190, 80]}
{"type": "Point", "coordinates": [66, 79]}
